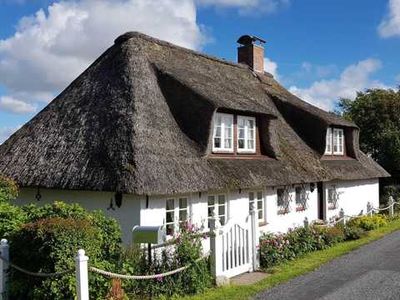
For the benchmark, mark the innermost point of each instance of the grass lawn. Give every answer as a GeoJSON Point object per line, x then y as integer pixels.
{"type": "Point", "coordinates": [287, 271]}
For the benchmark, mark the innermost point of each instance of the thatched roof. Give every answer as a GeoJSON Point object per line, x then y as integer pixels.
{"type": "Point", "coordinates": [138, 120]}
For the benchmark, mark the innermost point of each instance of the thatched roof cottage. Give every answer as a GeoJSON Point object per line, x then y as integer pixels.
{"type": "Point", "coordinates": [155, 134]}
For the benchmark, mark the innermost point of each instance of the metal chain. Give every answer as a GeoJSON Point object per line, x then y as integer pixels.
{"type": "Point", "coordinates": [36, 274]}
{"type": "Point", "coordinates": [140, 277]}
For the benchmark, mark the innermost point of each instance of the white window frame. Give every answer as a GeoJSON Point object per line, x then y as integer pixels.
{"type": "Point", "coordinates": [246, 148]}
{"type": "Point", "coordinates": [222, 137]}
{"type": "Point", "coordinates": [216, 207]}
{"type": "Point", "coordinates": [177, 209]}
{"type": "Point", "coordinates": [329, 146]}
{"type": "Point", "coordinates": [338, 140]}
{"type": "Point", "coordinates": [257, 200]}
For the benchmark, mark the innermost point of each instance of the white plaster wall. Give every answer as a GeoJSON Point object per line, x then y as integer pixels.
{"type": "Point", "coordinates": [354, 196]}
{"type": "Point", "coordinates": [128, 215]}
{"type": "Point", "coordinates": [282, 222]}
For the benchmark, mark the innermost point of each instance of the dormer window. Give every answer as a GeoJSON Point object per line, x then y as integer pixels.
{"type": "Point", "coordinates": [334, 141]}
{"type": "Point", "coordinates": [246, 134]}
{"type": "Point", "coordinates": [223, 133]}
{"type": "Point", "coordinates": [234, 134]}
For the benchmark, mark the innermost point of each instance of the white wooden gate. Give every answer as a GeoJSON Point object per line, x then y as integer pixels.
{"type": "Point", "coordinates": [234, 246]}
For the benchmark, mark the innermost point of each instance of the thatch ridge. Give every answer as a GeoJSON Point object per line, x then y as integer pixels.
{"type": "Point", "coordinates": [138, 121]}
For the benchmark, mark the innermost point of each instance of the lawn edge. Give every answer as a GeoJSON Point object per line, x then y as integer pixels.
{"type": "Point", "coordinates": [297, 267]}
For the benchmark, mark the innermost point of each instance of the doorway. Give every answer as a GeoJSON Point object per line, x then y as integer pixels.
{"type": "Point", "coordinates": [320, 201]}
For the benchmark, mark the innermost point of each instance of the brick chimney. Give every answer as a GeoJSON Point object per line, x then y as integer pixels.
{"type": "Point", "coordinates": [251, 52]}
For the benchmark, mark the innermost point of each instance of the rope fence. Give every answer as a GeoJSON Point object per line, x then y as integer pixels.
{"type": "Point", "coordinates": [143, 277]}
{"type": "Point", "coordinates": [35, 274]}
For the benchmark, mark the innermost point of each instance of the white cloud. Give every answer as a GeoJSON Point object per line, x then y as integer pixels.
{"type": "Point", "coordinates": [52, 47]}
{"type": "Point", "coordinates": [248, 6]}
{"type": "Point", "coordinates": [271, 67]}
{"type": "Point", "coordinates": [6, 132]}
{"type": "Point", "coordinates": [356, 77]}
{"type": "Point", "coordinates": [390, 25]}
{"type": "Point", "coordinates": [10, 104]}
{"type": "Point", "coordinates": [397, 78]}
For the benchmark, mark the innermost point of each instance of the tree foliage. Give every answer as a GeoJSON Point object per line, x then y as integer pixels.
{"type": "Point", "coordinates": [377, 113]}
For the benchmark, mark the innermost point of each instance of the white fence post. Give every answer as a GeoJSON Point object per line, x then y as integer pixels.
{"type": "Point", "coordinates": [82, 278]}
{"type": "Point", "coordinates": [369, 209]}
{"type": "Point", "coordinates": [391, 206]}
{"type": "Point", "coordinates": [4, 252]}
{"type": "Point", "coordinates": [215, 246]}
{"type": "Point", "coordinates": [342, 217]}
{"type": "Point", "coordinates": [255, 239]}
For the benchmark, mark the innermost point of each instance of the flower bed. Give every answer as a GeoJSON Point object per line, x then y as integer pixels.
{"type": "Point", "coordinates": [278, 248]}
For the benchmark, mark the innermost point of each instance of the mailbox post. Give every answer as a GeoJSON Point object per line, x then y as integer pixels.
{"type": "Point", "coordinates": [148, 235]}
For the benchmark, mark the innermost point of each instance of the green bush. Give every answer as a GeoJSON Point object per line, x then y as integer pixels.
{"type": "Point", "coordinates": [8, 189]}
{"type": "Point", "coordinates": [353, 233]}
{"type": "Point", "coordinates": [49, 244]}
{"type": "Point", "coordinates": [12, 218]}
{"type": "Point", "coordinates": [368, 222]}
{"type": "Point", "coordinates": [193, 280]}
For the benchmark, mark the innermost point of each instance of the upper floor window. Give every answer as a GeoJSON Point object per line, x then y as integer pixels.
{"type": "Point", "coordinates": [223, 133]}
{"type": "Point", "coordinates": [246, 127]}
{"type": "Point", "coordinates": [334, 141]}
{"type": "Point", "coordinates": [234, 134]}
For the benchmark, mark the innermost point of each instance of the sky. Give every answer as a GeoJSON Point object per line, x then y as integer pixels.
{"type": "Point", "coordinates": [319, 50]}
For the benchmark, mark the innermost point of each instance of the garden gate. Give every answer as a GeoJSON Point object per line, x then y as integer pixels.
{"type": "Point", "coordinates": [234, 246]}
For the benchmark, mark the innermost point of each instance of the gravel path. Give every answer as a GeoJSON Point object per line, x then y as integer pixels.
{"type": "Point", "coordinates": [370, 272]}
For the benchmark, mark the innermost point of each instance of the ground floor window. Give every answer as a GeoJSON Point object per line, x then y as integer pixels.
{"type": "Point", "coordinates": [333, 197]}
{"type": "Point", "coordinates": [256, 199]}
{"type": "Point", "coordinates": [301, 198]}
{"type": "Point", "coordinates": [217, 203]}
{"type": "Point", "coordinates": [176, 212]}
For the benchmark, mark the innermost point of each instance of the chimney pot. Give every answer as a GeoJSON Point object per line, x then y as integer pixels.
{"type": "Point", "coordinates": [251, 52]}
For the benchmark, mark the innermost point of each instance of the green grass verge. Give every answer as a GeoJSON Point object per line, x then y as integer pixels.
{"type": "Point", "coordinates": [300, 266]}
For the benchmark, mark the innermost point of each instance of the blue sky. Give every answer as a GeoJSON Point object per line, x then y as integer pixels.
{"type": "Point", "coordinates": [320, 50]}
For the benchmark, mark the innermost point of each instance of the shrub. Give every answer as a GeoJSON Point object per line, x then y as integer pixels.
{"type": "Point", "coordinates": [333, 235]}
{"type": "Point", "coordinates": [187, 249]}
{"type": "Point", "coordinates": [368, 222]}
{"type": "Point", "coordinates": [8, 189]}
{"type": "Point", "coordinates": [49, 244]}
{"type": "Point", "coordinates": [12, 218]}
{"type": "Point", "coordinates": [353, 233]}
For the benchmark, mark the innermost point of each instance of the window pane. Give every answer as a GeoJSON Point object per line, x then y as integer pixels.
{"type": "Point", "coordinates": [217, 132]}
{"type": "Point", "coordinates": [260, 214]}
{"type": "Point", "coordinates": [170, 229]}
{"type": "Point", "coordinates": [217, 143]}
{"type": "Point", "coordinates": [170, 204]}
{"type": "Point", "coordinates": [259, 204]}
{"type": "Point", "coordinates": [241, 144]}
{"type": "Point", "coordinates": [218, 120]}
{"type": "Point", "coordinates": [221, 199]}
{"type": "Point", "coordinates": [222, 220]}
{"type": "Point", "coordinates": [251, 134]}
{"type": "Point", "coordinates": [210, 211]}
{"type": "Point", "coordinates": [228, 143]}
{"type": "Point", "coordinates": [170, 217]}
{"type": "Point", "coordinates": [250, 123]}
{"type": "Point", "coordinates": [241, 133]}
{"type": "Point", "coordinates": [221, 210]}
{"type": "Point", "coordinates": [280, 197]}
{"type": "Point", "coordinates": [259, 195]}
{"type": "Point", "coordinates": [183, 215]}
{"type": "Point", "coordinates": [251, 196]}
{"type": "Point", "coordinates": [182, 203]}
{"type": "Point", "coordinates": [251, 144]}
{"type": "Point", "coordinates": [211, 200]}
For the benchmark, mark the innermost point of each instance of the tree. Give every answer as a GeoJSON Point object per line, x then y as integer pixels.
{"type": "Point", "coordinates": [377, 113]}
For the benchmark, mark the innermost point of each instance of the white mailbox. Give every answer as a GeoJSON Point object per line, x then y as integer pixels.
{"type": "Point", "coordinates": [148, 234]}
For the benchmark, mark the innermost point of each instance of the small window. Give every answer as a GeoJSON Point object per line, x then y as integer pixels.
{"type": "Point", "coordinates": [332, 198]}
{"type": "Point", "coordinates": [338, 141]}
{"type": "Point", "coordinates": [257, 199]}
{"type": "Point", "coordinates": [223, 133]}
{"type": "Point", "coordinates": [301, 198]}
{"type": "Point", "coordinates": [334, 141]}
{"type": "Point", "coordinates": [280, 199]}
{"type": "Point", "coordinates": [217, 203]}
{"type": "Point", "coordinates": [176, 211]}
{"type": "Point", "coordinates": [299, 192]}
{"type": "Point", "coordinates": [246, 133]}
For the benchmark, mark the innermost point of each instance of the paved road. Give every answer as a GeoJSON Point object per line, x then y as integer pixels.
{"type": "Point", "coordinates": [371, 272]}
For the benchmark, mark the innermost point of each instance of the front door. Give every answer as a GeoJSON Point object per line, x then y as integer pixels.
{"type": "Point", "coordinates": [320, 201]}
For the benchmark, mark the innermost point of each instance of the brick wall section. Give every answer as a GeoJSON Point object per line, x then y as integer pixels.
{"type": "Point", "coordinates": [253, 56]}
